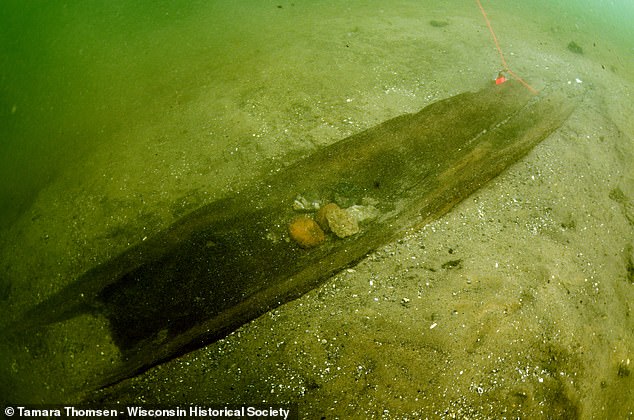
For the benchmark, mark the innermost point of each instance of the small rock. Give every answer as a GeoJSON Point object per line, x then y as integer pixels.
{"type": "Point", "coordinates": [306, 232]}
{"type": "Point", "coordinates": [438, 23]}
{"type": "Point", "coordinates": [624, 368]}
{"type": "Point", "coordinates": [363, 213]}
{"type": "Point", "coordinates": [574, 47]}
{"type": "Point", "coordinates": [333, 218]}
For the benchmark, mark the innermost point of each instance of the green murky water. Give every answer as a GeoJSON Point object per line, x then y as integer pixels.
{"type": "Point", "coordinates": [119, 117]}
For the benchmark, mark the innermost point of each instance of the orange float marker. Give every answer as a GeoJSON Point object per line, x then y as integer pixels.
{"type": "Point", "coordinates": [501, 78]}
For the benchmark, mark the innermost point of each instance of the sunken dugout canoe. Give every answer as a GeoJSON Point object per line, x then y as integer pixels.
{"type": "Point", "coordinates": [233, 260]}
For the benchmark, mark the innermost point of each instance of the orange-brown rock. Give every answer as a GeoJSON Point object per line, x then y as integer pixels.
{"type": "Point", "coordinates": [306, 232]}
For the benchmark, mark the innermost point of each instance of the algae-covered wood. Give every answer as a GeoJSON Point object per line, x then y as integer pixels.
{"type": "Point", "coordinates": [232, 260]}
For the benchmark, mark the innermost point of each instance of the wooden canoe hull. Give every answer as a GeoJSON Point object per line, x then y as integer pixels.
{"type": "Point", "coordinates": [232, 260]}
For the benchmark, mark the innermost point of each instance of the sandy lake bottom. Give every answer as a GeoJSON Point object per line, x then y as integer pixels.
{"type": "Point", "coordinates": [516, 303]}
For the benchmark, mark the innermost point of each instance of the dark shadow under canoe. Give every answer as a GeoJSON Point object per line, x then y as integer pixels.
{"type": "Point", "coordinates": [233, 260]}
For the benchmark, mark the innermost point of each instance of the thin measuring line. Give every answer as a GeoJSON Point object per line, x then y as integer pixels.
{"type": "Point", "coordinates": [497, 45]}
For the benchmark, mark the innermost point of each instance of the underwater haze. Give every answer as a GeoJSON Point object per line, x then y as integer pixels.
{"type": "Point", "coordinates": [78, 73]}
{"type": "Point", "coordinates": [118, 118]}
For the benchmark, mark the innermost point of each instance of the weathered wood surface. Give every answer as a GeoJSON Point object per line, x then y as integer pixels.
{"type": "Point", "coordinates": [232, 260]}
